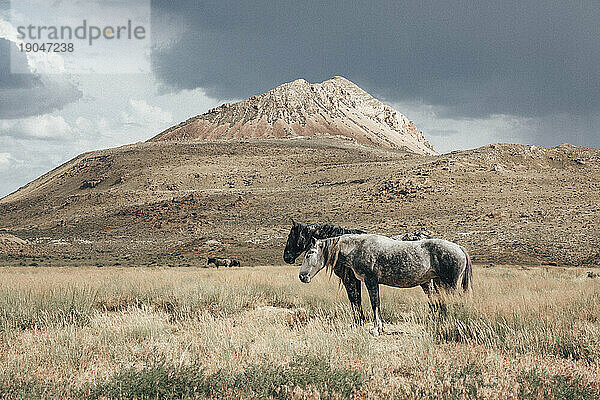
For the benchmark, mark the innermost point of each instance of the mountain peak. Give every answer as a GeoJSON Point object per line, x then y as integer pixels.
{"type": "Point", "coordinates": [293, 84]}
{"type": "Point", "coordinates": [336, 106]}
{"type": "Point", "coordinates": [341, 80]}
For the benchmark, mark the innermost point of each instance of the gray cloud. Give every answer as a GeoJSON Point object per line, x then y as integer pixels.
{"type": "Point", "coordinates": [24, 95]}
{"type": "Point", "coordinates": [526, 58]}
{"type": "Point", "coordinates": [450, 132]}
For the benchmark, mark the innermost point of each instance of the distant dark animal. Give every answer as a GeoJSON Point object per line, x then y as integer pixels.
{"type": "Point", "coordinates": [222, 262]}
{"type": "Point", "coordinates": [376, 259]}
{"type": "Point", "coordinates": [300, 239]}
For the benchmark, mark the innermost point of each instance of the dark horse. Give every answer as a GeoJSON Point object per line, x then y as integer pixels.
{"type": "Point", "coordinates": [300, 240]}
{"type": "Point", "coordinates": [222, 262]}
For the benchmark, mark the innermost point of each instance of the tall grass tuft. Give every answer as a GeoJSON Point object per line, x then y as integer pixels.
{"type": "Point", "coordinates": [37, 308]}
{"type": "Point", "coordinates": [543, 329]}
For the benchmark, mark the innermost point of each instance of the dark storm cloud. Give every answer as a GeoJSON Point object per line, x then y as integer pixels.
{"type": "Point", "coordinates": [25, 95]}
{"type": "Point", "coordinates": [526, 58]}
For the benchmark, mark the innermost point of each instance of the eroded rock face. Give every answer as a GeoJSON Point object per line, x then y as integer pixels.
{"type": "Point", "coordinates": [335, 107]}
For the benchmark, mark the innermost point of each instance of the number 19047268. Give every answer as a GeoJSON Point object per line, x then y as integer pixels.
{"type": "Point", "coordinates": [49, 47]}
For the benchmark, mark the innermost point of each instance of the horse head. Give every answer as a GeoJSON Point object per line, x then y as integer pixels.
{"type": "Point", "coordinates": [314, 261]}
{"type": "Point", "coordinates": [297, 242]}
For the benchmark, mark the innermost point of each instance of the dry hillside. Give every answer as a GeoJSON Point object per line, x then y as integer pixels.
{"type": "Point", "coordinates": [177, 202]}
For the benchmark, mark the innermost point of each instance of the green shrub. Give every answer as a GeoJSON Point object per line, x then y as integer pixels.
{"type": "Point", "coordinates": [165, 380]}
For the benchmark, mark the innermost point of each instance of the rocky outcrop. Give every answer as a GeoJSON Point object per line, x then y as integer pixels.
{"type": "Point", "coordinates": [10, 244]}
{"type": "Point", "coordinates": [333, 107]}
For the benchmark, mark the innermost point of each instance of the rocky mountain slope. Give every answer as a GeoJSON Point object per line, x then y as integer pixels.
{"type": "Point", "coordinates": [175, 203]}
{"type": "Point", "coordinates": [334, 107]}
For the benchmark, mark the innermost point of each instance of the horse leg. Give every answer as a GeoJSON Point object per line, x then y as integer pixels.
{"type": "Point", "coordinates": [353, 289]}
{"type": "Point", "coordinates": [373, 289]}
{"type": "Point", "coordinates": [432, 294]}
{"type": "Point", "coordinates": [446, 285]}
{"type": "Point", "coordinates": [432, 290]}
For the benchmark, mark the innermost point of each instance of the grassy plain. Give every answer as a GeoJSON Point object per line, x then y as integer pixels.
{"type": "Point", "coordinates": [127, 332]}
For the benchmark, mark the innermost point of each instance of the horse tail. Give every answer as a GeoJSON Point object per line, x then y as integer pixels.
{"type": "Point", "coordinates": [467, 274]}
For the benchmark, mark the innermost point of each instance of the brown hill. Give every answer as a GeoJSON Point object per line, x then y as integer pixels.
{"type": "Point", "coordinates": [333, 107]}
{"type": "Point", "coordinates": [175, 203]}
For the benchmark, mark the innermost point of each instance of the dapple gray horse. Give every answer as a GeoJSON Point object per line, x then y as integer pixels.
{"type": "Point", "coordinates": [376, 259]}
{"type": "Point", "coordinates": [300, 240]}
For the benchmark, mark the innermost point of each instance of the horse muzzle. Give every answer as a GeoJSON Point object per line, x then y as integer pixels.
{"type": "Point", "coordinates": [304, 277]}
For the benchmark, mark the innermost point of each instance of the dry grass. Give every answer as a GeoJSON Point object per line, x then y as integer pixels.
{"type": "Point", "coordinates": [259, 332]}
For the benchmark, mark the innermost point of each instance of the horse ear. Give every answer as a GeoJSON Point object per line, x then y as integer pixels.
{"type": "Point", "coordinates": [294, 224]}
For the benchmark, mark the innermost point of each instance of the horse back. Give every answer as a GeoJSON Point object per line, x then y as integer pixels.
{"type": "Point", "coordinates": [443, 252]}
{"type": "Point", "coordinates": [390, 262]}
{"type": "Point", "coordinates": [401, 263]}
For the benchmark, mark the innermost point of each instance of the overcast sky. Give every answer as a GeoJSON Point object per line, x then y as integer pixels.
{"type": "Point", "coordinates": [468, 73]}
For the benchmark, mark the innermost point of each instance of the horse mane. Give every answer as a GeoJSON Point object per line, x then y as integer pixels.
{"type": "Point", "coordinates": [331, 252]}
{"type": "Point", "coordinates": [325, 231]}
{"type": "Point", "coordinates": [331, 233]}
